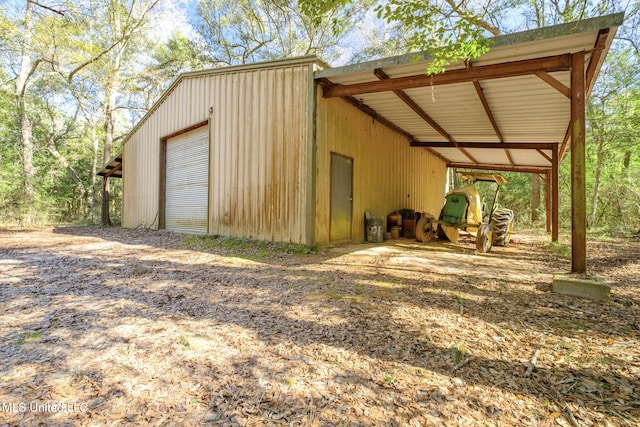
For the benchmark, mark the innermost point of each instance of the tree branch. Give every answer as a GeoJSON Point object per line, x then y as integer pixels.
{"type": "Point", "coordinates": [632, 42]}
{"type": "Point", "coordinates": [461, 10]}
{"type": "Point", "coordinates": [46, 7]}
{"type": "Point", "coordinates": [124, 36]}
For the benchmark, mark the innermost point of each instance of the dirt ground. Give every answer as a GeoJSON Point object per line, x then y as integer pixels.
{"type": "Point", "coordinates": [120, 327]}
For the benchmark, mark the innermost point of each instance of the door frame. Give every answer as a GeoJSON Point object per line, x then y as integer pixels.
{"type": "Point", "coordinates": [332, 155]}
{"type": "Point", "coordinates": [162, 187]}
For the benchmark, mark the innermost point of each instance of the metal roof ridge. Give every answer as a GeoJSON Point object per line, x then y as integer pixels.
{"type": "Point", "coordinates": [554, 31]}
{"type": "Point", "coordinates": [559, 30]}
{"type": "Point", "coordinates": [298, 60]}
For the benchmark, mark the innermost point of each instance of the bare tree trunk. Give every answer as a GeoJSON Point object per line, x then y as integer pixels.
{"type": "Point", "coordinates": [28, 170]}
{"type": "Point", "coordinates": [535, 196]}
{"type": "Point", "coordinates": [109, 108]}
{"type": "Point", "coordinates": [65, 164]}
{"type": "Point", "coordinates": [92, 196]}
{"type": "Point", "coordinates": [596, 184]}
{"type": "Point", "coordinates": [106, 220]}
{"type": "Point", "coordinates": [94, 171]}
{"type": "Point", "coordinates": [111, 89]}
{"type": "Point", "coordinates": [108, 143]}
{"type": "Point", "coordinates": [626, 161]}
{"type": "Point", "coordinates": [110, 105]}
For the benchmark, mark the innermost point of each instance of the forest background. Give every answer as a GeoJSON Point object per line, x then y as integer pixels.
{"type": "Point", "coordinates": [75, 76]}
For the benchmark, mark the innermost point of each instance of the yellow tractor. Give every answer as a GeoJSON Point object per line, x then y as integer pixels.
{"type": "Point", "coordinates": [465, 210]}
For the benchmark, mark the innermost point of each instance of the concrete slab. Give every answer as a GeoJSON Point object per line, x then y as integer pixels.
{"type": "Point", "coordinates": [581, 286]}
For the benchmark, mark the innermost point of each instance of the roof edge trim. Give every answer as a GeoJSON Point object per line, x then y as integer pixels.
{"type": "Point", "coordinates": [106, 166]}
{"type": "Point", "coordinates": [576, 27]}
{"type": "Point", "coordinates": [311, 60]}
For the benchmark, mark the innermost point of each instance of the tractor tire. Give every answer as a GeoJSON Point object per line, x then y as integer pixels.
{"type": "Point", "coordinates": [484, 238]}
{"type": "Point", "coordinates": [424, 229]}
{"type": "Point", "coordinates": [440, 234]}
{"type": "Point", "coordinates": [502, 223]}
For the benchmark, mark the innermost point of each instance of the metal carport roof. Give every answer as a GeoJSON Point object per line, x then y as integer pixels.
{"type": "Point", "coordinates": [505, 110]}
{"type": "Point", "coordinates": [515, 108]}
{"type": "Point", "coordinates": [113, 167]}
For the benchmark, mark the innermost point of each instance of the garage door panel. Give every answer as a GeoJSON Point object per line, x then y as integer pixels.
{"type": "Point", "coordinates": [187, 177]}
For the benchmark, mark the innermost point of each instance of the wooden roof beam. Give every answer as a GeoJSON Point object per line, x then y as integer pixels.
{"type": "Point", "coordinates": [592, 67]}
{"type": "Point", "coordinates": [492, 119]}
{"type": "Point", "coordinates": [373, 113]}
{"type": "Point", "coordinates": [594, 60]}
{"type": "Point", "coordinates": [388, 123]}
{"type": "Point", "coordinates": [494, 145]}
{"type": "Point", "coordinates": [565, 142]}
{"type": "Point", "coordinates": [380, 74]}
{"type": "Point", "coordinates": [487, 109]}
{"type": "Point", "coordinates": [112, 170]}
{"type": "Point", "coordinates": [555, 83]}
{"type": "Point", "coordinates": [542, 153]}
{"type": "Point", "coordinates": [483, 72]}
{"type": "Point", "coordinates": [468, 155]}
{"type": "Point", "coordinates": [508, 154]}
{"type": "Point", "coordinates": [502, 168]}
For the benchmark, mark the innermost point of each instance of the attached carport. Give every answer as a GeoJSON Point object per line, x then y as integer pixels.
{"type": "Point", "coordinates": [520, 107]}
{"type": "Point", "coordinates": [112, 169]}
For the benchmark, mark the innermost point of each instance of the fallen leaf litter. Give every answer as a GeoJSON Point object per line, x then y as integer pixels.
{"type": "Point", "coordinates": [146, 328]}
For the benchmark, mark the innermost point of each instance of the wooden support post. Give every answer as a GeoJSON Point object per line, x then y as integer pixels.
{"type": "Point", "coordinates": [106, 220]}
{"type": "Point", "coordinates": [535, 196]}
{"type": "Point", "coordinates": [554, 193]}
{"type": "Point", "coordinates": [578, 170]}
{"type": "Point", "coordinates": [547, 195]}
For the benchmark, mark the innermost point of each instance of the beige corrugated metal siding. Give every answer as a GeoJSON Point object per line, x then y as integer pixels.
{"type": "Point", "coordinates": [258, 137]}
{"type": "Point", "coordinates": [258, 156]}
{"type": "Point", "coordinates": [388, 174]}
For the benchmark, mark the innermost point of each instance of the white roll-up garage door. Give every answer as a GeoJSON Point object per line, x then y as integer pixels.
{"type": "Point", "coordinates": [187, 178]}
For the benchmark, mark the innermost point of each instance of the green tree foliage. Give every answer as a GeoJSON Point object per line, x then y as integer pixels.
{"type": "Point", "coordinates": [425, 26]}
{"type": "Point", "coordinates": [613, 137]}
{"type": "Point", "coordinates": [168, 60]}
{"type": "Point", "coordinates": [27, 59]}
{"type": "Point", "coordinates": [10, 188]}
{"type": "Point", "coordinates": [447, 32]}
{"type": "Point", "coordinates": [239, 31]}
{"type": "Point", "coordinates": [78, 94]}
{"type": "Point", "coordinates": [612, 117]}
{"type": "Point", "coordinates": [95, 67]}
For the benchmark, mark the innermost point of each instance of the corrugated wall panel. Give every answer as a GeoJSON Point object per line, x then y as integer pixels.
{"type": "Point", "coordinates": [258, 148]}
{"type": "Point", "coordinates": [388, 174]}
{"type": "Point", "coordinates": [259, 141]}
{"type": "Point", "coordinates": [142, 154]}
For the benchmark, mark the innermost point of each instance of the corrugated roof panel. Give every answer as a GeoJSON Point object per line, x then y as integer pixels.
{"type": "Point", "coordinates": [495, 55]}
{"type": "Point", "coordinates": [538, 48]}
{"type": "Point", "coordinates": [454, 155]}
{"type": "Point", "coordinates": [526, 108]}
{"type": "Point", "coordinates": [458, 110]}
{"type": "Point", "coordinates": [361, 77]}
{"type": "Point", "coordinates": [392, 108]}
{"type": "Point", "coordinates": [489, 156]}
{"type": "Point", "coordinates": [531, 157]}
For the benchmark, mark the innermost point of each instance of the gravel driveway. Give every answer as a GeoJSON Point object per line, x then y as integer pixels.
{"type": "Point", "coordinates": [105, 326]}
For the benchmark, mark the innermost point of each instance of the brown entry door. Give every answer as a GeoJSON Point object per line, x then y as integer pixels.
{"type": "Point", "coordinates": [341, 196]}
